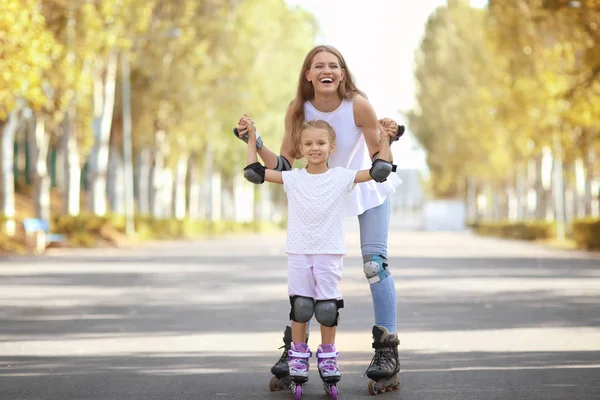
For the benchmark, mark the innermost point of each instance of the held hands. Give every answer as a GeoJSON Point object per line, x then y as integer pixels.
{"type": "Point", "coordinates": [241, 131]}
{"type": "Point", "coordinates": [390, 128]}
{"type": "Point", "coordinates": [242, 127]}
{"type": "Point", "coordinates": [246, 126]}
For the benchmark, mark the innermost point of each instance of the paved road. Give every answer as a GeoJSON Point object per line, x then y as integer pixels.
{"type": "Point", "coordinates": [480, 319]}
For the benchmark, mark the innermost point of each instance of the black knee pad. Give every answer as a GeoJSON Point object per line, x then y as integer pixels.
{"type": "Point", "coordinates": [302, 309]}
{"type": "Point", "coordinates": [326, 311]}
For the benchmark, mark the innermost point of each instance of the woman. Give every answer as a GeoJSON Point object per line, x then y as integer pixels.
{"type": "Point", "coordinates": [326, 91]}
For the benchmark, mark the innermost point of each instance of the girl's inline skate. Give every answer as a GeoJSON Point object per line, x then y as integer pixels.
{"type": "Point", "coordinates": [299, 355]}
{"type": "Point", "coordinates": [328, 369]}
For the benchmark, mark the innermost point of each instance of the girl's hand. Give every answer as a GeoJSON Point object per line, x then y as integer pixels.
{"type": "Point", "coordinates": [242, 127]}
{"type": "Point", "coordinates": [388, 127]}
{"type": "Point", "coordinates": [248, 126]}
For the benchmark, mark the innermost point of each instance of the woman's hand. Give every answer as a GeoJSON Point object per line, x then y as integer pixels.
{"type": "Point", "coordinates": [243, 123]}
{"type": "Point", "coordinates": [388, 127]}
{"type": "Point", "coordinates": [246, 125]}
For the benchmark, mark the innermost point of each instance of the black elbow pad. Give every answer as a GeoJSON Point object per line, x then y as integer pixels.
{"type": "Point", "coordinates": [381, 169]}
{"type": "Point", "coordinates": [255, 173]}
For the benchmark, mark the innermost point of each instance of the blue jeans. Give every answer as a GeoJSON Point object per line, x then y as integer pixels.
{"type": "Point", "coordinates": [374, 226]}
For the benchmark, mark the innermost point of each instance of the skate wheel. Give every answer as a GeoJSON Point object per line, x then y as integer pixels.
{"type": "Point", "coordinates": [376, 388]}
{"type": "Point", "coordinates": [334, 392]}
{"type": "Point", "coordinates": [298, 392]}
{"type": "Point", "coordinates": [372, 388]}
{"type": "Point", "coordinates": [273, 387]}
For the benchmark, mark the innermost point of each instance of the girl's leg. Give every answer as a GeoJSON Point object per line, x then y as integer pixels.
{"type": "Point", "coordinates": [299, 277]}
{"type": "Point", "coordinates": [298, 332]}
{"type": "Point", "coordinates": [328, 334]}
{"type": "Point", "coordinates": [374, 225]}
{"type": "Point", "coordinates": [327, 272]}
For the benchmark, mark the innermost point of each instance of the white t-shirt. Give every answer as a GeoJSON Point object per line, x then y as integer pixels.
{"type": "Point", "coordinates": [351, 152]}
{"type": "Point", "coordinates": [316, 204]}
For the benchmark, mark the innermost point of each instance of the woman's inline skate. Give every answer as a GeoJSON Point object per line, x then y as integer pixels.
{"type": "Point", "coordinates": [385, 365]}
{"type": "Point", "coordinates": [281, 369]}
{"type": "Point", "coordinates": [299, 355]}
{"type": "Point", "coordinates": [328, 369]}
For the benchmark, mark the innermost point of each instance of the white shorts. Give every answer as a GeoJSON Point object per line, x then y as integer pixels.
{"type": "Point", "coordinates": [315, 275]}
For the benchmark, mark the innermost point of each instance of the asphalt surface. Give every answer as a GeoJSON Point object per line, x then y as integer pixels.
{"type": "Point", "coordinates": [479, 319]}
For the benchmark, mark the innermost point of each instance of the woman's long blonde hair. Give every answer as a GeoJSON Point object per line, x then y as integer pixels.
{"type": "Point", "coordinates": [346, 90]}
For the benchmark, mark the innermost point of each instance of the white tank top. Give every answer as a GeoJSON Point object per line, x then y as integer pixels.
{"type": "Point", "coordinates": [351, 152]}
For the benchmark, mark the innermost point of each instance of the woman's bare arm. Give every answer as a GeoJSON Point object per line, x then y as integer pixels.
{"type": "Point", "coordinates": [366, 119]}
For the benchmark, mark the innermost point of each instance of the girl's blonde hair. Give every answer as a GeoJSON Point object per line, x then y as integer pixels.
{"type": "Point", "coordinates": [317, 124]}
{"type": "Point", "coordinates": [346, 91]}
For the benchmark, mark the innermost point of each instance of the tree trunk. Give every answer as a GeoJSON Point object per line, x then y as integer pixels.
{"type": "Point", "coordinates": [194, 192]}
{"type": "Point", "coordinates": [167, 193]}
{"type": "Point", "coordinates": [104, 101]}
{"type": "Point", "coordinates": [216, 195]}
{"type": "Point", "coordinates": [588, 165]}
{"type": "Point", "coordinates": [156, 185]}
{"type": "Point", "coordinates": [60, 160]}
{"type": "Point", "coordinates": [490, 202]}
{"type": "Point", "coordinates": [503, 202]}
{"type": "Point", "coordinates": [115, 184]}
{"type": "Point", "coordinates": [540, 191]}
{"type": "Point", "coordinates": [7, 178]}
{"type": "Point", "coordinates": [471, 197]}
{"type": "Point", "coordinates": [521, 194]}
{"type": "Point", "coordinates": [212, 187]}
{"type": "Point", "coordinates": [144, 169]}
{"type": "Point", "coordinates": [227, 201]}
{"type": "Point", "coordinates": [179, 187]}
{"type": "Point", "coordinates": [38, 146]}
{"type": "Point", "coordinates": [72, 165]}
{"type": "Point", "coordinates": [128, 179]}
{"type": "Point", "coordinates": [558, 190]}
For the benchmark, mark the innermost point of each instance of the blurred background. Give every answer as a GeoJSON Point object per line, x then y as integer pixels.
{"type": "Point", "coordinates": [116, 116]}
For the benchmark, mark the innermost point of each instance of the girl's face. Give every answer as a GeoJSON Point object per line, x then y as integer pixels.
{"type": "Point", "coordinates": [316, 145]}
{"type": "Point", "coordinates": [325, 72]}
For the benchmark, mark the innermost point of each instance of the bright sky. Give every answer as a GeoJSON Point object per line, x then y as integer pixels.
{"type": "Point", "coordinates": [378, 39]}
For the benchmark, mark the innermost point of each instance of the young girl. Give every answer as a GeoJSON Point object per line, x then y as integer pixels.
{"type": "Point", "coordinates": [315, 237]}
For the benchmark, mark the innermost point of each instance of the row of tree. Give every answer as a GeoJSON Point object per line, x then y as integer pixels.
{"type": "Point", "coordinates": [153, 83]}
{"type": "Point", "coordinates": [508, 95]}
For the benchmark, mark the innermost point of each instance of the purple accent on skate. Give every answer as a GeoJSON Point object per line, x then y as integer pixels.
{"type": "Point", "coordinates": [298, 392]}
{"type": "Point", "coordinates": [333, 392]}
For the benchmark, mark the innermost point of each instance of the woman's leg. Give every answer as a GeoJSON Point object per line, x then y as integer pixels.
{"type": "Point", "coordinates": [374, 225]}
